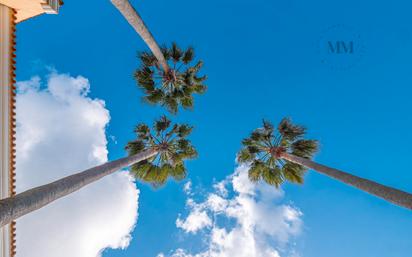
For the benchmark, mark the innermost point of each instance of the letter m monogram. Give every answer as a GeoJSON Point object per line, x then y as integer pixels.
{"type": "Point", "coordinates": [339, 47]}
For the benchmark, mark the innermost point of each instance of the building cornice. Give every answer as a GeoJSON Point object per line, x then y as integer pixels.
{"type": "Point", "coordinates": [26, 9]}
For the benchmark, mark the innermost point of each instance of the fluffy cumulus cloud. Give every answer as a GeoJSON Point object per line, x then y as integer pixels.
{"type": "Point", "coordinates": [240, 218]}
{"type": "Point", "coordinates": [61, 131]}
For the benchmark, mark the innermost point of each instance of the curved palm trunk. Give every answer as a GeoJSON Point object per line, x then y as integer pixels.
{"type": "Point", "coordinates": [33, 199]}
{"type": "Point", "coordinates": [390, 194]}
{"type": "Point", "coordinates": [131, 15]}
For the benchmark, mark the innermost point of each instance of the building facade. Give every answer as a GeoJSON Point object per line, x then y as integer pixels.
{"type": "Point", "coordinates": [11, 13]}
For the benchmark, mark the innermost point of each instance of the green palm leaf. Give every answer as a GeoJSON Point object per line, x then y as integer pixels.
{"type": "Point", "coordinates": [289, 130]}
{"type": "Point", "coordinates": [175, 52]}
{"type": "Point", "coordinates": [188, 55]}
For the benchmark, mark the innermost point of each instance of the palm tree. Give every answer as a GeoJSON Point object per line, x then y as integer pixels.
{"type": "Point", "coordinates": [174, 88]}
{"type": "Point", "coordinates": [165, 75]}
{"type": "Point", "coordinates": [173, 147]}
{"type": "Point", "coordinates": [155, 156]}
{"type": "Point", "coordinates": [276, 157]}
{"type": "Point", "coordinates": [133, 17]}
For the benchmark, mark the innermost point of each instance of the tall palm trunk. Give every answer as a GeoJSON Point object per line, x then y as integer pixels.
{"type": "Point", "coordinates": [131, 15]}
{"type": "Point", "coordinates": [14, 207]}
{"type": "Point", "coordinates": [392, 195]}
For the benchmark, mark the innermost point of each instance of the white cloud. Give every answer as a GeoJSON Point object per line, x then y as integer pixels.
{"type": "Point", "coordinates": [61, 131]}
{"type": "Point", "coordinates": [247, 220]}
{"type": "Point", "coordinates": [196, 220]}
{"type": "Point", "coordinates": [187, 187]}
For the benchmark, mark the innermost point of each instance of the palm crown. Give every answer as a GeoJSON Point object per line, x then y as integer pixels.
{"type": "Point", "coordinates": [172, 146]}
{"type": "Point", "coordinates": [263, 149]}
{"type": "Point", "coordinates": [175, 86]}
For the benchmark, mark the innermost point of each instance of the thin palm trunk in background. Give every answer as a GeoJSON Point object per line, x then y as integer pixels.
{"type": "Point", "coordinates": [390, 194]}
{"type": "Point", "coordinates": [131, 15]}
{"type": "Point", "coordinates": [14, 207]}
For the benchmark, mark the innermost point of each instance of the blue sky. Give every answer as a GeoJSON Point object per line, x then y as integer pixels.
{"type": "Point", "coordinates": [263, 61]}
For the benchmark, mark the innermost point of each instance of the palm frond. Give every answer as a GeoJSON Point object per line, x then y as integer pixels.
{"type": "Point", "coordinates": [165, 52]}
{"type": "Point", "coordinates": [256, 171]}
{"type": "Point", "coordinates": [196, 68]}
{"type": "Point", "coordinates": [294, 172]}
{"type": "Point", "coordinates": [199, 79]}
{"type": "Point", "coordinates": [184, 130]}
{"type": "Point", "coordinates": [175, 52]}
{"type": "Point", "coordinates": [162, 124]}
{"type": "Point", "coordinates": [289, 130]}
{"type": "Point", "coordinates": [147, 58]}
{"type": "Point", "coordinates": [272, 176]}
{"type": "Point", "coordinates": [178, 172]}
{"type": "Point", "coordinates": [188, 55]}
{"type": "Point", "coordinates": [135, 147]}
{"type": "Point", "coordinates": [199, 89]}
{"type": "Point", "coordinates": [142, 131]}
{"type": "Point", "coordinates": [171, 104]}
{"type": "Point", "coordinates": [245, 156]}
{"type": "Point", "coordinates": [154, 97]}
{"type": "Point", "coordinates": [304, 148]}
{"type": "Point", "coordinates": [268, 127]}
{"type": "Point", "coordinates": [187, 102]}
